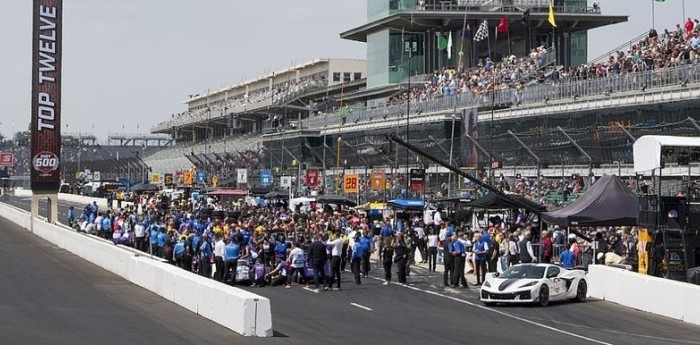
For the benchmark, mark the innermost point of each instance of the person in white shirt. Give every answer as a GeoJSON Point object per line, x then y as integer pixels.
{"type": "Point", "coordinates": [437, 218]}
{"type": "Point", "coordinates": [432, 249]}
{"type": "Point", "coordinates": [219, 258]}
{"type": "Point", "coordinates": [297, 259]}
{"type": "Point", "coordinates": [336, 247]}
{"type": "Point", "coordinates": [140, 234]}
{"type": "Point", "coordinates": [420, 242]}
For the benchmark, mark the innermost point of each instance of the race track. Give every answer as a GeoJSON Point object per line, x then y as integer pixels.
{"type": "Point", "coordinates": [76, 301]}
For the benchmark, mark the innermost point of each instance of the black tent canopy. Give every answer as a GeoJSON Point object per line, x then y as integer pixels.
{"type": "Point", "coordinates": [607, 203]}
{"type": "Point", "coordinates": [493, 201]}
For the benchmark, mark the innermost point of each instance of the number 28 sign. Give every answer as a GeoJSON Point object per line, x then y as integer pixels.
{"type": "Point", "coordinates": [351, 183]}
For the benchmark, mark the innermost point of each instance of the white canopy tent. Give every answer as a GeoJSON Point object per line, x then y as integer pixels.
{"type": "Point", "coordinates": [648, 150]}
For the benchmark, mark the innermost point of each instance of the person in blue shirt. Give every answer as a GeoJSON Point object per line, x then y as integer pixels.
{"type": "Point", "coordinates": [356, 258]}
{"type": "Point", "coordinates": [205, 255]}
{"type": "Point", "coordinates": [179, 252]}
{"type": "Point", "coordinates": [70, 216]}
{"type": "Point", "coordinates": [281, 248]}
{"type": "Point", "coordinates": [107, 225]}
{"type": "Point", "coordinates": [154, 238]}
{"type": "Point", "coordinates": [480, 249]}
{"type": "Point", "coordinates": [160, 240]}
{"type": "Point", "coordinates": [567, 257]}
{"type": "Point", "coordinates": [459, 252]}
{"type": "Point", "coordinates": [366, 244]}
{"type": "Point", "coordinates": [246, 236]}
{"type": "Point", "coordinates": [231, 254]}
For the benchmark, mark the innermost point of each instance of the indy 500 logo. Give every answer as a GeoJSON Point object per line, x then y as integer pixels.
{"type": "Point", "coordinates": [45, 162]}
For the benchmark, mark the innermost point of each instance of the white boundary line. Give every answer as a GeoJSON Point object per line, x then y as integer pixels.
{"type": "Point", "coordinates": [309, 289]}
{"type": "Point", "coordinates": [504, 314]}
{"type": "Point", "coordinates": [361, 306]}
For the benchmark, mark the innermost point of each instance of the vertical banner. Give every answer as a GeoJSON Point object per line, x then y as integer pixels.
{"type": "Point", "coordinates": [351, 183]}
{"type": "Point", "coordinates": [242, 176]}
{"type": "Point", "coordinates": [46, 95]}
{"type": "Point", "coordinates": [469, 155]}
{"type": "Point", "coordinates": [312, 178]}
{"type": "Point", "coordinates": [417, 179]}
{"type": "Point", "coordinates": [378, 179]}
{"type": "Point", "coordinates": [265, 177]}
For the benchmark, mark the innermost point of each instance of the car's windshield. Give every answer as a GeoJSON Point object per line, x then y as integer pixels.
{"type": "Point", "coordinates": [523, 272]}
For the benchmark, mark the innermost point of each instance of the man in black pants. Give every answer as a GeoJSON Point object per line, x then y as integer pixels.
{"type": "Point", "coordinates": [317, 256]}
{"type": "Point", "coordinates": [448, 260]}
{"type": "Point", "coordinates": [336, 252]}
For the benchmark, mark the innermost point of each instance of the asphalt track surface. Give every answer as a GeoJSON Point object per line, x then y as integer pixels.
{"type": "Point", "coordinates": [423, 312]}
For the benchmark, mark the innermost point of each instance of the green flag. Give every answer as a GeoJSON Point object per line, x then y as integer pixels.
{"type": "Point", "coordinates": [442, 42]}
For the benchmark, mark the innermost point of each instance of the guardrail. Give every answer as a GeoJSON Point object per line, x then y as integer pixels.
{"type": "Point", "coordinates": [239, 310]}
{"type": "Point", "coordinates": [655, 295]}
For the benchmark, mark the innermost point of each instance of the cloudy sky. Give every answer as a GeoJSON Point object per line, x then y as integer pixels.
{"type": "Point", "coordinates": [128, 64]}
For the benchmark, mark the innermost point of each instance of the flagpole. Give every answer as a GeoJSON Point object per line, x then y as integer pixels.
{"type": "Point", "coordinates": [461, 45]}
{"type": "Point", "coordinates": [509, 53]}
{"type": "Point", "coordinates": [653, 19]}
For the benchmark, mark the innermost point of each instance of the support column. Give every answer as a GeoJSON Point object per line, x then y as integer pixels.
{"type": "Point", "coordinates": [51, 206]}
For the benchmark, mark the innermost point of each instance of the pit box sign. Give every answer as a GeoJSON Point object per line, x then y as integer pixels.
{"type": "Point", "coordinates": [168, 179]}
{"type": "Point", "coordinates": [351, 183]}
{"type": "Point", "coordinates": [187, 178]}
{"type": "Point", "coordinates": [155, 178]}
{"type": "Point", "coordinates": [378, 179]}
{"type": "Point", "coordinates": [312, 178]}
{"type": "Point", "coordinates": [7, 159]}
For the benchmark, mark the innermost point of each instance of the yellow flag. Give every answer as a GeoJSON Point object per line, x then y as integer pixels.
{"type": "Point", "coordinates": [550, 18]}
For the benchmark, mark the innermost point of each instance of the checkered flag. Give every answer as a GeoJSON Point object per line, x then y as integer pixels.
{"type": "Point", "coordinates": [482, 32]}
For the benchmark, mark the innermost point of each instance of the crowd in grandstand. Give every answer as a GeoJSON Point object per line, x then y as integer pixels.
{"type": "Point", "coordinates": [656, 51]}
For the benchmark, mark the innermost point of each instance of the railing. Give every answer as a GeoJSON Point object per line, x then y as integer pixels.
{"type": "Point", "coordinates": [626, 45]}
{"type": "Point", "coordinates": [550, 92]}
{"type": "Point", "coordinates": [501, 6]}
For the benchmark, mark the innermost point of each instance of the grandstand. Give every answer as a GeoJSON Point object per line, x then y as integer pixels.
{"type": "Point", "coordinates": [540, 112]}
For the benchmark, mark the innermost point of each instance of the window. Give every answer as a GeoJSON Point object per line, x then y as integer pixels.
{"type": "Point", "coordinates": [346, 76]}
{"type": "Point", "coordinates": [357, 76]}
{"type": "Point", "coordinates": [336, 76]}
{"type": "Point", "coordinates": [553, 272]}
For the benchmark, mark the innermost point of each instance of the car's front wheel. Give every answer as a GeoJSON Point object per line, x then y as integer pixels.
{"type": "Point", "coordinates": [581, 291]}
{"type": "Point", "coordinates": [543, 298]}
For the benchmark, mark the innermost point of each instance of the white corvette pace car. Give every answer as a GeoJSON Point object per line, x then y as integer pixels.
{"type": "Point", "coordinates": [534, 283]}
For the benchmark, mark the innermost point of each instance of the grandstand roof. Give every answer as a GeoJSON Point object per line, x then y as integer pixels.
{"type": "Point", "coordinates": [301, 66]}
{"type": "Point", "coordinates": [421, 20]}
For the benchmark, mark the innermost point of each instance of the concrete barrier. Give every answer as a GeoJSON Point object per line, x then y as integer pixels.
{"type": "Point", "coordinates": [677, 300]}
{"type": "Point", "coordinates": [239, 310]}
